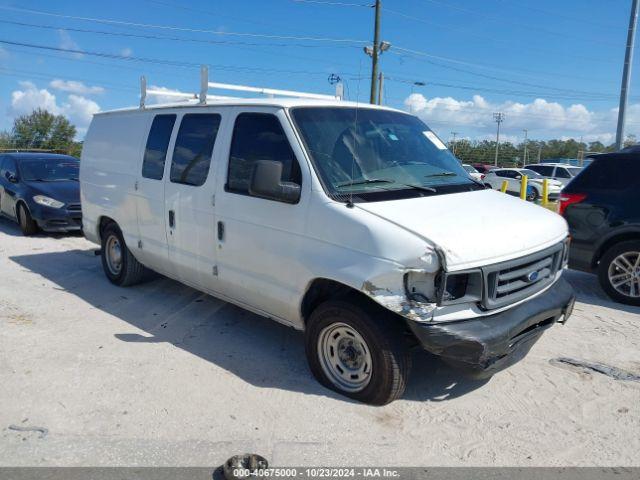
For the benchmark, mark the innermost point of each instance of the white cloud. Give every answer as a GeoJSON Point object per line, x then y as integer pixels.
{"type": "Point", "coordinates": [543, 119]}
{"type": "Point", "coordinates": [76, 108]}
{"type": "Point", "coordinates": [159, 98]}
{"type": "Point", "coordinates": [73, 86]}
{"type": "Point", "coordinates": [67, 43]}
{"type": "Point", "coordinates": [126, 52]}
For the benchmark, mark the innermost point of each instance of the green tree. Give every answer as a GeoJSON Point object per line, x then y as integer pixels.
{"type": "Point", "coordinates": [42, 129]}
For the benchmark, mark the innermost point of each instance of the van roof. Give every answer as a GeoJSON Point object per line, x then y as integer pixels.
{"type": "Point", "coordinates": [281, 102]}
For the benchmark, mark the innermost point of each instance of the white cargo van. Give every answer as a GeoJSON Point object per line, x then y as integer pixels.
{"type": "Point", "coordinates": [351, 222]}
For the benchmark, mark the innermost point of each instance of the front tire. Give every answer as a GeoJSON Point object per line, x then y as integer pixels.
{"type": "Point", "coordinates": [358, 351]}
{"type": "Point", "coordinates": [619, 272]}
{"type": "Point", "coordinates": [119, 264]}
{"type": "Point", "coordinates": [533, 195]}
{"type": "Point", "coordinates": [27, 224]}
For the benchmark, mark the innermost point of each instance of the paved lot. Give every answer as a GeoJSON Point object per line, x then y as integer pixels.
{"type": "Point", "coordinates": [160, 374]}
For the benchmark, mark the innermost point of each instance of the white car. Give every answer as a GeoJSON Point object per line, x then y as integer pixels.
{"type": "Point", "coordinates": [513, 177]}
{"type": "Point", "coordinates": [352, 223]}
{"type": "Point", "coordinates": [473, 173]}
{"type": "Point", "coordinates": [561, 172]}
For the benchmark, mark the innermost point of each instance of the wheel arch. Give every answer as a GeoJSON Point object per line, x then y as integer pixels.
{"type": "Point", "coordinates": [617, 237]}
{"type": "Point", "coordinates": [103, 221]}
{"type": "Point", "coordinates": [320, 290]}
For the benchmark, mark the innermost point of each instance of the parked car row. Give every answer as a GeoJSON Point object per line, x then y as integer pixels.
{"type": "Point", "coordinates": [513, 176]}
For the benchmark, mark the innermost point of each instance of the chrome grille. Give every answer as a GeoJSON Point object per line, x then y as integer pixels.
{"type": "Point", "coordinates": [512, 281]}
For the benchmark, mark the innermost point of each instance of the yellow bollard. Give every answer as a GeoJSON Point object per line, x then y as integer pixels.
{"type": "Point", "coordinates": [545, 192]}
{"type": "Point", "coordinates": [504, 186]}
{"type": "Point", "coordinates": [523, 187]}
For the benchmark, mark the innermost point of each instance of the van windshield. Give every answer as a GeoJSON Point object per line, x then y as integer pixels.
{"type": "Point", "coordinates": [367, 151]}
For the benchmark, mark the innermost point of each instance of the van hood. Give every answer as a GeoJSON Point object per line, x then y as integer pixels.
{"type": "Point", "coordinates": [472, 229]}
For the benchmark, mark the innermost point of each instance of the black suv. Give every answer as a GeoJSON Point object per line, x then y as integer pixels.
{"type": "Point", "coordinates": [40, 191]}
{"type": "Point", "coordinates": [602, 207]}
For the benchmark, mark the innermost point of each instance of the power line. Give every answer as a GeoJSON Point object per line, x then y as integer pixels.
{"type": "Point", "coordinates": [493, 18]}
{"type": "Point", "coordinates": [494, 39]}
{"type": "Point", "coordinates": [186, 29]}
{"type": "Point", "coordinates": [175, 63]}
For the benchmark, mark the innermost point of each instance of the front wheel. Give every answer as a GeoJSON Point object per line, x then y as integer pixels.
{"type": "Point", "coordinates": [358, 351]}
{"type": "Point", "coordinates": [533, 194]}
{"type": "Point", "coordinates": [28, 225]}
{"type": "Point", "coordinates": [619, 272]}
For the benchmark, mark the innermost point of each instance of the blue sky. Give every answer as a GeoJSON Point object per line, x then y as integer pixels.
{"type": "Point", "coordinates": [553, 67]}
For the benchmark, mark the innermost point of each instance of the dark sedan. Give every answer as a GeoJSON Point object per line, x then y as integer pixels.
{"type": "Point", "coordinates": [40, 191]}
{"type": "Point", "coordinates": [602, 207]}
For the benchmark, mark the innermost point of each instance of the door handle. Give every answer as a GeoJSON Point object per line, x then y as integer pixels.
{"type": "Point", "coordinates": [220, 231]}
{"type": "Point", "coordinates": [172, 219]}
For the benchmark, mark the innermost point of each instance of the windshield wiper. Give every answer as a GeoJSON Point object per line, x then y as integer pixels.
{"type": "Point", "coordinates": [420, 187]}
{"type": "Point", "coordinates": [365, 182]}
{"type": "Point", "coordinates": [442, 174]}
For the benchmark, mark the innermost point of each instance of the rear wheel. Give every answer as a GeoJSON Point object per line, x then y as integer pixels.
{"type": "Point", "coordinates": [358, 351]}
{"type": "Point", "coordinates": [119, 264]}
{"type": "Point", "coordinates": [619, 272]}
{"type": "Point", "coordinates": [27, 224]}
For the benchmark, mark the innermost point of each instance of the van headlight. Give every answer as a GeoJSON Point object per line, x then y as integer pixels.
{"type": "Point", "coordinates": [47, 201]}
{"type": "Point", "coordinates": [459, 287]}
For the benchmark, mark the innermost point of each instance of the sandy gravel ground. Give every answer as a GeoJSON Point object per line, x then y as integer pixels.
{"type": "Point", "coordinates": [160, 374]}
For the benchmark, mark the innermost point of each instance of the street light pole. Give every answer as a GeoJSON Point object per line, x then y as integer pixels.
{"type": "Point", "coordinates": [499, 118]}
{"type": "Point", "coordinates": [455, 134]}
{"type": "Point", "coordinates": [524, 157]}
{"type": "Point", "coordinates": [626, 74]}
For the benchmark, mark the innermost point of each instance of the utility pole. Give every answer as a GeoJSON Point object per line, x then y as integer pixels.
{"type": "Point", "coordinates": [499, 118]}
{"type": "Point", "coordinates": [455, 134]}
{"type": "Point", "coordinates": [375, 51]}
{"type": "Point", "coordinates": [524, 157]}
{"type": "Point", "coordinates": [539, 152]}
{"type": "Point", "coordinates": [380, 87]}
{"type": "Point", "coordinates": [626, 74]}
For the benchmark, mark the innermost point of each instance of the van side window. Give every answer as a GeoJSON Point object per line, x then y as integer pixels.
{"type": "Point", "coordinates": [194, 147]}
{"type": "Point", "coordinates": [562, 173]}
{"type": "Point", "coordinates": [259, 136]}
{"type": "Point", "coordinates": [155, 153]}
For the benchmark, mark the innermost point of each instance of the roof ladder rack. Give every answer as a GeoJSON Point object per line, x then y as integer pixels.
{"type": "Point", "coordinates": [205, 85]}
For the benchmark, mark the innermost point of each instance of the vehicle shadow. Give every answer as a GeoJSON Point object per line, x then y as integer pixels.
{"type": "Point", "coordinates": [9, 227]}
{"type": "Point", "coordinates": [588, 291]}
{"type": "Point", "coordinates": [257, 350]}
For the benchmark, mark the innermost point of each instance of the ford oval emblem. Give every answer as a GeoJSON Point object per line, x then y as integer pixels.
{"type": "Point", "coordinates": [532, 276]}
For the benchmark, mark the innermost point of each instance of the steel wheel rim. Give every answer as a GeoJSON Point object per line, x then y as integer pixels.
{"type": "Point", "coordinates": [624, 274]}
{"type": "Point", "coordinates": [113, 253]}
{"type": "Point", "coordinates": [345, 357]}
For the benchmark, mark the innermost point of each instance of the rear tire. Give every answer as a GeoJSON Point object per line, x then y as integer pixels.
{"type": "Point", "coordinates": [358, 351]}
{"type": "Point", "coordinates": [119, 264]}
{"type": "Point", "coordinates": [27, 224]}
{"type": "Point", "coordinates": [619, 272]}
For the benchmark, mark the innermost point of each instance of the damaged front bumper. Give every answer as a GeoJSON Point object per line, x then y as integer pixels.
{"type": "Point", "coordinates": [483, 346]}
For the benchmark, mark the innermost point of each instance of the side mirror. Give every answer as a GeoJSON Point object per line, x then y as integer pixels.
{"type": "Point", "coordinates": [518, 177]}
{"type": "Point", "coordinates": [266, 183]}
{"type": "Point", "coordinates": [11, 177]}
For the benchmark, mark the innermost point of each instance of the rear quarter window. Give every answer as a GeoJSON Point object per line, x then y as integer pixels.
{"type": "Point", "coordinates": [155, 153]}
{"type": "Point", "coordinates": [608, 174]}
